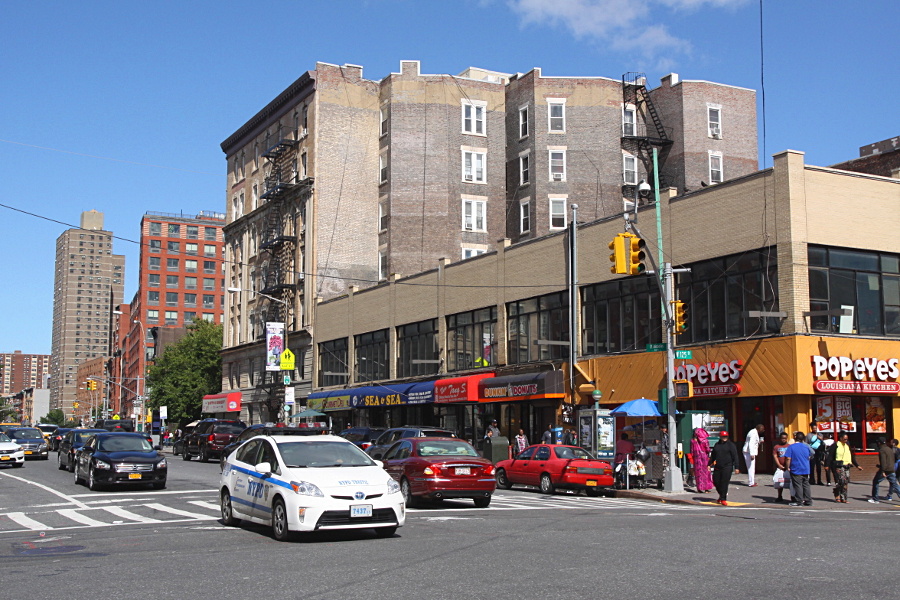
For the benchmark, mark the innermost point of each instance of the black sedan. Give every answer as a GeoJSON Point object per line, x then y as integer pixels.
{"type": "Point", "coordinates": [57, 437]}
{"type": "Point", "coordinates": [69, 445]}
{"type": "Point", "coordinates": [112, 459]}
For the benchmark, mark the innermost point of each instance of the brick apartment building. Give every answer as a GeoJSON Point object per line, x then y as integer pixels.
{"type": "Point", "coordinates": [90, 402]}
{"type": "Point", "coordinates": [881, 158]}
{"type": "Point", "coordinates": [342, 181]}
{"type": "Point", "coordinates": [88, 282]}
{"type": "Point", "coordinates": [19, 371]}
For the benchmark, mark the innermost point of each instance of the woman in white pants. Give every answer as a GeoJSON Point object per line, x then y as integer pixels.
{"type": "Point", "coordinates": [751, 451]}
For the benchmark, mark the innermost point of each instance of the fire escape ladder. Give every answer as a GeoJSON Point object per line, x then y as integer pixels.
{"type": "Point", "coordinates": [648, 131]}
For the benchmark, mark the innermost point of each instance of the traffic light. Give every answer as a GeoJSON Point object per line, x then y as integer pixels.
{"type": "Point", "coordinates": [684, 388]}
{"type": "Point", "coordinates": [617, 258]}
{"type": "Point", "coordinates": [680, 317]}
{"type": "Point", "coordinates": [92, 385]}
{"type": "Point", "coordinates": [74, 405]}
{"type": "Point", "coordinates": [635, 255]}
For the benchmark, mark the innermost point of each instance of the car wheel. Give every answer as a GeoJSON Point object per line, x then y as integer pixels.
{"type": "Point", "coordinates": [59, 462]}
{"type": "Point", "coordinates": [592, 492]}
{"type": "Point", "coordinates": [204, 455]}
{"type": "Point", "coordinates": [280, 521]}
{"type": "Point", "coordinates": [70, 463]}
{"type": "Point", "coordinates": [228, 517]}
{"type": "Point", "coordinates": [408, 498]}
{"type": "Point", "coordinates": [385, 532]}
{"type": "Point", "coordinates": [175, 451]}
{"type": "Point", "coordinates": [482, 502]}
{"type": "Point", "coordinates": [75, 471]}
{"type": "Point", "coordinates": [91, 482]}
{"type": "Point", "coordinates": [503, 481]}
{"type": "Point", "coordinates": [186, 455]}
{"type": "Point", "coordinates": [547, 484]}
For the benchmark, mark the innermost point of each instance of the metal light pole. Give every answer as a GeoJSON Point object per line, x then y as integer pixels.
{"type": "Point", "coordinates": [141, 380]}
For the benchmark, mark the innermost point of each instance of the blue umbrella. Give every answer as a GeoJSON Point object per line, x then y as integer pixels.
{"type": "Point", "coordinates": [642, 407]}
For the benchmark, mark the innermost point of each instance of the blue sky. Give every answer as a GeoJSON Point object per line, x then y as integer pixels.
{"type": "Point", "coordinates": [157, 87]}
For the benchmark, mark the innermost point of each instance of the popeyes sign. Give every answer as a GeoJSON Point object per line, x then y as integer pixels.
{"type": "Point", "coordinates": [856, 376]}
{"type": "Point", "coordinates": [714, 378]}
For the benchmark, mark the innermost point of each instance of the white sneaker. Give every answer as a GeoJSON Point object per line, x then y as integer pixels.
{"type": "Point", "coordinates": [874, 501]}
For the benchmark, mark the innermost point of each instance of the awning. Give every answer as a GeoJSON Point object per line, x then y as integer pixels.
{"type": "Point", "coordinates": [512, 388]}
{"type": "Point", "coordinates": [392, 395]}
{"type": "Point", "coordinates": [458, 389]}
{"type": "Point", "coordinates": [328, 401]}
{"type": "Point", "coordinates": [216, 403]}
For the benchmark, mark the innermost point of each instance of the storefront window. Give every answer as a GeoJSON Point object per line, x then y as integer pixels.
{"type": "Point", "coordinates": [620, 316]}
{"type": "Point", "coordinates": [470, 339]}
{"type": "Point", "coordinates": [417, 349]}
{"type": "Point", "coordinates": [333, 369]}
{"type": "Point", "coordinates": [863, 419]}
{"type": "Point", "coordinates": [372, 356]}
{"type": "Point", "coordinates": [536, 320]}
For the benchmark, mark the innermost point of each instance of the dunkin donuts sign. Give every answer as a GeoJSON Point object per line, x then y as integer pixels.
{"type": "Point", "coordinates": [714, 378]}
{"type": "Point", "coordinates": [856, 376]}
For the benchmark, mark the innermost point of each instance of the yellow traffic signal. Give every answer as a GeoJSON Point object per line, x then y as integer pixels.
{"type": "Point", "coordinates": [92, 385]}
{"type": "Point", "coordinates": [680, 317]}
{"type": "Point", "coordinates": [74, 405]}
{"type": "Point", "coordinates": [617, 258]}
{"type": "Point", "coordinates": [634, 247]}
{"type": "Point", "coordinates": [684, 388]}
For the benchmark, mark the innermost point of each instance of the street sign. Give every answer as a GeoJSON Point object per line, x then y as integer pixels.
{"type": "Point", "coordinates": [288, 396]}
{"type": "Point", "coordinates": [164, 412]}
{"type": "Point", "coordinates": [656, 347]}
{"type": "Point", "coordinates": [287, 360]}
{"type": "Point", "coordinates": [287, 380]}
{"type": "Point", "coordinates": [684, 354]}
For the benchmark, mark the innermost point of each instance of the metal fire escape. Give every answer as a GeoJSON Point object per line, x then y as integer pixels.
{"type": "Point", "coordinates": [645, 133]}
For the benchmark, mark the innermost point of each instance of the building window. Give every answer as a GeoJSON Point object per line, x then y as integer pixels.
{"type": "Point", "coordinates": [190, 266]}
{"type": "Point", "coordinates": [254, 195]}
{"type": "Point", "coordinates": [209, 301]}
{"type": "Point", "coordinates": [619, 316]}
{"type": "Point", "coordinates": [715, 168]}
{"type": "Point", "coordinates": [193, 232]}
{"type": "Point", "coordinates": [153, 280]}
{"type": "Point", "coordinates": [209, 317]}
{"type": "Point", "coordinates": [474, 215]}
{"type": "Point", "coordinates": [523, 122]}
{"type": "Point", "coordinates": [382, 216]}
{"type": "Point", "coordinates": [173, 247]}
{"type": "Point", "coordinates": [209, 234]}
{"type": "Point", "coordinates": [557, 213]}
{"type": "Point", "coordinates": [152, 297]}
{"type": "Point", "coordinates": [628, 121]}
{"type": "Point", "coordinates": [305, 113]}
{"type": "Point", "coordinates": [209, 250]}
{"type": "Point", "coordinates": [303, 171]}
{"type": "Point", "coordinates": [471, 341]}
{"type": "Point", "coordinates": [189, 317]}
{"type": "Point", "coordinates": [557, 165]}
{"type": "Point", "coordinates": [190, 249]}
{"type": "Point", "coordinates": [333, 369]}
{"type": "Point", "coordinates": [470, 252]}
{"type": "Point", "coordinates": [474, 166]}
{"type": "Point", "coordinates": [629, 169]}
{"type": "Point", "coordinates": [382, 266]}
{"type": "Point", "coordinates": [171, 281]}
{"type": "Point", "coordinates": [171, 317]}
{"type": "Point", "coordinates": [171, 298]}
{"type": "Point", "coordinates": [385, 115]}
{"type": "Point", "coordinates": [154, 263]}
{"type": "Point", "coordinates": [190, 300]}
{"type": "Point", "coordinates": [536, 320]}
{"type": "Point", "coordinates": [524, 216]}
{"type": "Point", "coordinates": [417, 349]}
{"type": "Point", "coordinates": [209, 266]}
{"type": "Point", "coordinates": [372, 356]}
{"type": "Point", "coordinates": [556, 114]}
{"type": "Point", "coordinates": [171, 264]}
{"type": "Point", "coordinates": [523, 170]}
{"type": "Point", "coordinates": [209, 283]}
{"type": "Point", "coordinates": [473, 117]}
{"type": "Point", "coordinates": [382, 168]}
{"type": "Point", "coordinates": [174, 230]}
{"type": "Point", "coordinates": [155, 228]}
{"type": "Point", "coordinates": [152, 317]}
{"type": "Point", "coordinates": [190, 283]}
{"type": "Point", "coordinates": [155, 246]}
{"type": "Point", "coordinates": [715, 122]}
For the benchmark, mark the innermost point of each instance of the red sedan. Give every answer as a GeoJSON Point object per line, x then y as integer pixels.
{"type": "Point", "coordinates": [551, 467]}
{"type": "Point", "coordinates": [439, 468]}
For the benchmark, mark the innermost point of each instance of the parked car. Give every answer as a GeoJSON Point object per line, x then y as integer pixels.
{"type": "Point", "coordinates": [210, 437]}
{"type": "Point", "coordinates": [57, 437]}
{"type": "Point", "coordinates": [178, 444]}
{"type": "Point", "coordinates": [553, 466]}
{"type": "Point", "coordinates": [267, 429]}
{"type": "Point", "coordinates": [439, 468]}
{"type": "Point", "coordinates": [363, 437]}
{"type": "Point", "coordinates": [69, 445]}
{"type": "Point", "coordinates": [126, 425]}
{"type": "Point", "coordinates": [32, 441]}
{"type": "Point", "coordinates": [120, 458]}
{"type": "Point", "coordinates": [387, 439]}
{"type": "Point", "coordinates": [11, 453]}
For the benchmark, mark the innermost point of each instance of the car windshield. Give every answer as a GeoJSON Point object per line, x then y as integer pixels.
{"type": "Point", "coordinates": [569, 453]}
{"type": "Point", "coordinates": [26, 434]}
{"type": "Point", "coordinates": [125, 444]}
{"type": "Point", "coordinates": [228, 428]}
{"type": "Point", "coordinates": [323, 454]}
{"type": "Point", "coordinates": [47, 428]}
{"type": "Point", "coordinates": [438, 448]}
{"type": "Point", "coordinates": [427, 433]}
{"type": "Point", "coordinates": [4, 438]}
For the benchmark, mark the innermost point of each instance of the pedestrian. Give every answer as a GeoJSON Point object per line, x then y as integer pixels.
{"type": "Point", "coordinates": [798, 460]}
{"type": "Point", "coordinates": [547, 437]}
{"type": "Point", "coordinates": [724, 462]}
{"type": "Point", "coordinates": [520, 442]}
{"type": "Point", "coordinates": [782, 477]}
{"type": "Point", "coordinates": [488, 434]}
{"type": "Point", "coordinates": [700, 456]}
{"type": "Point", "coordinates": [495, 431]}
{"type": "Point", "coordinates": [840, 458]}
{"type": "Point", "coordinates": [568, 438]}
{"type": "Point", "coordinates": [886, 470]}
{"type": "Point", "coordinates": [751, 450]}
{"type": "Point", "coordinates": [827, 443]}
{"type": "Point", "coordinates": [624, 449]}
{"type": "Point", "coordinates": [816, 442]}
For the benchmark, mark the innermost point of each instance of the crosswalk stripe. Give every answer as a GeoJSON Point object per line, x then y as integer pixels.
{"type": "Point", "coordinates": [202, 504]}
{"type": "Point", "coordinates": [175, 511]}
{"type": "Point", "coordinates": [24, 521]}
{"type": "Point", "coordinates": [80, 518]}
{"type": "Point", "coordinates": [127, 514]}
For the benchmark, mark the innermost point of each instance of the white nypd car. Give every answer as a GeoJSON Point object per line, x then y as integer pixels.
{"type": "Point", "coordinates": [308, 483]}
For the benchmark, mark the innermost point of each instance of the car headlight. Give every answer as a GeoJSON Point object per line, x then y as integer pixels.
{"type": "Point", "coordinates": [19, 448]}
{"type": "Point", "coordinates": [393, 486]}
{"type": "Point", "coordinates": [162, 464]}
{"type": "Point", "coordinates": [42, 447]}
{"type": "Point", "coordinates": [99, 464]}
{"type": "Point", "coordinates": [305, 488]}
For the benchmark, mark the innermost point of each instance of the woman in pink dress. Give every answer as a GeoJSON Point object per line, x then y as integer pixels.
{"type": "Point", "coordinates": [700, 452]}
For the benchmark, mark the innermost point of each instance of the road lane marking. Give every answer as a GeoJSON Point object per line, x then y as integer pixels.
{"type": "Point", "coordinates": [80, 518]}
{"type": "Point", "coordinates": [66, 497]}
{"type": "Point", "coordinates": [202, 504]}
{"type": "Point", "coordinates": [127, 514]}
{"type": "Point", "coordinates": [146, 493]}
{"type": "Point", "coordinates": [28, 522]}
{"type": "Point", "coordinates": [175, 511]}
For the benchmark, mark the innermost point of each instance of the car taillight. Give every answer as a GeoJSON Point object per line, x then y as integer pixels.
{"type": "Point", "coordinates": [489, 470]}
{"type": "Point", "coordinates": [432, 470]}
{"type": "Point", "coordinates": [366, 445]}
{"type": "Point", "coordinates": [211, 437]}
{"type": "Point", "coordinates": [571, 469]}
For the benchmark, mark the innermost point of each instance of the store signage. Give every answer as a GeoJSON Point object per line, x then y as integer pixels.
{"type": "Point", "coordinates": [834, 413]}
{"type": "Point", "coordinates": [548, 384]}
{"type": "Point", "coordinates": [274, 345]}
{"type": "Point", "coordinates": [858, 369]}
{"type": "Point", "coordinates": [713, 372]}
{"type": "Point", "coordinates": [216, 403]}
{"type": "Point", "coordinates": [451, 392]}
{"type": "Point", "coordinates": [857, 387]}
{"type": "Point", "coordinates": [729, 389]}
{"type": "Point", "coordinates": [329, 403]}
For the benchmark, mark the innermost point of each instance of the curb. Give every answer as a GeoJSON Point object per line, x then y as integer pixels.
{"type": "Point", "coordinates": [610, 493]}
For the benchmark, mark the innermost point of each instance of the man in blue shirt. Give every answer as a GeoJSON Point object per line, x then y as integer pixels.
{"type": "Point", "coordinates": [797, 459]}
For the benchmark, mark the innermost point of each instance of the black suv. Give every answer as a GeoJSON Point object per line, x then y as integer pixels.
{"type": "Point", "coordinates": [363, 437]}
{"type": "Point", "coordinates": [210, 437]}
{"type": "Point", "coordinates": [387, 439]}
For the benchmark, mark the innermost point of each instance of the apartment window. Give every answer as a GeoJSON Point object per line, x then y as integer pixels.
{"type": "Point", "coordinates": [209, 233]}
{"type": "Point", "coordinates": [382, 266]}
{"type": "Point", "coordinates": [174, 230]}
{"type": "Point", "coordinates": [190, 249]}
{"type": "Point", "coordinates": [557, 165]}
{"type": "Point", "coordinates": [171, 298]}
{"type": "Point", "coordinates": [174, 247]}
{"type": "Point", "coordinates": [154, 263]}
{"type": "Point", "coordinates": [556, 114]}
{"type": "Point", "coordinates": [153, 280]}
{"type": "Point", "coordinates": [382, 168]}
{"type": "Point", "coordinates": [557, 213]}
{"type": "Point", "coordinates": [193, 232]}
{"type": "Point", "coordinates": [171, 281]}
{"type": "Point", "coordinates": [385, 115]}
{"type": "Point", "coordinates": [152, 297]}
{"type": "Point", "coordinates": [155, 246]}
{"type": "Point", "coordinates": [333, 369]}
{"type": "Point", "coordinates": [255, 196]}
{"type": "Point", "coordinates": [715, 168]}
{"type": "Point", "coordinates": [209, 283]}
{"type": "Point", "coordinates": [189, 317]}
{"type": "Point", "coordinates": [523, 122]}
{"type": "Point", "coordinates": [209, 266]}
{"type": "Point", "coordinates": [382, 216]}
{"type": "Point", "coordinates": [190, 283]}
{"type": "Point", "coordinates": [210, 317]}
{"type": "Point", "coordinates": [234, 209]}
{"type": "Point", "coordinates": [303, 172]}
{"type": "Point", "coordinates": [524, 217]}
{"type": "Point", "coordinates": [152, 317]}
{"type": "Point", "coordinates": [470, 252]}
{"type": "Point", "coordinates": [474, 166]}
{"type": "Point", "coordinates": [471, 341]}
{"type": "Point", "coordinates": [417, 349]}
{"type": "Point", "coordinates": [209, 250]}
{"type": "Point", "coordinates": [524, 177]}
{"type": "Point", "coordinates": [171, 317]}
{"type": "Point", "coordinates": [473, 117]}
{"type": "Point", "coordinates": [305, 116]}
{"type": "Point", "coordinates": [529, 322]}
{"type": "Point", "coordinates": [209, 301]}
{"type": "Point", "coordinates": [628, 121]}
{"type": "Point", "coordinates": [620, 316]}
{"type": "Point", "coordinates": [190, 300]}
{"type": "Point", "coordinates": [190, 266]}
{"type": "Point", "coordinates": [715, 122]}
{"type": "Point", "coordinates": [474, 215]}
{"type": "Point", "coordinates": [171, 264]}
{"type": "Point", "coordinates": [155, 228]}
{"type": "Point", "coordinates": [372, 356]}
{"type": "Point", "coordinates": [629, 169]}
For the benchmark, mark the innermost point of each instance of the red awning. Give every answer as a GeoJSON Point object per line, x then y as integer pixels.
{"type": "Point", "coordinates": [216, 403]}
{"type": "Point", "coordinates": [458, 389]}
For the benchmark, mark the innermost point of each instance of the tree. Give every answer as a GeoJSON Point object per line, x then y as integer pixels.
{"type": "Point", "coordinates": [7, 411]}
{"type": "Point", "coordinates": [55, 416]}
{"type": "Point", "coordinates": [187, 371]}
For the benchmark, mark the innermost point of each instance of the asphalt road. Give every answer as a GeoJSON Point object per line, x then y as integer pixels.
{"type": "Point", "coordinates": [59, 540]}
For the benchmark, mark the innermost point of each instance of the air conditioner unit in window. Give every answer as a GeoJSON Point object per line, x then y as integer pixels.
{"type": "Point", "coordinates": [468, 178]}
{"type": "Point", "coordinates": [716, 132]}
{"type": "Point", "coordinates": [557, 177]}
{"type": "Point", "coordinates": [469, 227]}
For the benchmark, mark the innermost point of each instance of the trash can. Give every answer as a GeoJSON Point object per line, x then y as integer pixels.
{"type": "Point", "coordinates": [496, 448]}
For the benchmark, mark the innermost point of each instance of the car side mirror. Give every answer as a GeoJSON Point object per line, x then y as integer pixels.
{"type": "Point", "coordinates": [379, 463]}
{"type": "Point", "coordinates": [158, 448]}
{"type": "Point", "coordinates": [264, 468]}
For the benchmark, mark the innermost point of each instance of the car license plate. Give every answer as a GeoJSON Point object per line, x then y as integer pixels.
{"type": "Point", "coordinates": [134, 476]}
{"type": "Point", "coordinates": [591, 483]}
{"type": "Point", "coordinates": [361, 510]}
{"type": "Point", "coordinates": [28, 452]}
{"type": "Point", "coordinates": [5, 457]}
{"type": "Point", "coordinates": [463, 470]}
